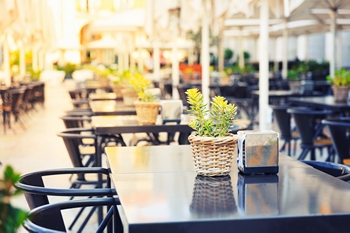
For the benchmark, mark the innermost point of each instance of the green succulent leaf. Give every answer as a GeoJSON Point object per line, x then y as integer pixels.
{"type": "Point", "coordinates": [213, 123]}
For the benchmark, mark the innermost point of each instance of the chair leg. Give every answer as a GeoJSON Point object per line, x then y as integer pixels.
{"type": "Point", "coordinates": [295, 147]}
{"type": "Point", "coordinates": [289, 142]}
{"type": "Point", "coordinates": [303, 154]}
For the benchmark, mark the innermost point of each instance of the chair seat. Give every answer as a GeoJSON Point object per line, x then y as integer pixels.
{"type": "Point", "coordinates": [6, 108]}
{"type": "Point", "coordinates": [324, 142]}
{"type": "Point", "coordinates": [295, 134]}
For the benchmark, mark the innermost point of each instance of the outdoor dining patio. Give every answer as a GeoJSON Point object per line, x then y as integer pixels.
{"type": "Point", "coordinates": [138, 116]}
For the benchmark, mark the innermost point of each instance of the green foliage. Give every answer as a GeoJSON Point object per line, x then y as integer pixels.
{"type": "Point", "coordinates": [236, 69]}
{"type": "Point", "coordinates": [221, 115]}
{"type": "Point", "coordinates": [140, 84]}
{"type": "Point", "coordinates": [69, 68]}
{"type": "Point", "coordinates": [292, 75]}
{"type": "Point", "coordinates": [11, 218]}
{"type": "Point", "coordinates": [228, 54]}
{"type": "Point", "coordinates": [341, 78]}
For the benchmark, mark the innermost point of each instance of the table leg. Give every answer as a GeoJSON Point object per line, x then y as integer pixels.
{"type": "Point", "coordinates": [98, 163]}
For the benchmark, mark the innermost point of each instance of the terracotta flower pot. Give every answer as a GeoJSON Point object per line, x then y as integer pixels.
{"type": "Point", "coordinates": [129, 96]}
{"type": "Point", "coordinates": [213, 156]}
{"type": "Point", "coordinates": [147, 112]}
{"type": "Point", "coordinates": [340, 93]}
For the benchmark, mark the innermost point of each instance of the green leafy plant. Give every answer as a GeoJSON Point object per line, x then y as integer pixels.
{"type": "Point", "coordinates": [141, 85]}
{"type": "Point", "coordinates": [220, 118]}
{"type": "Point", "coordinates": [11, 218]}
{"type": "Point", "coordinates": [341, 78]}
{"type": "Point", "coordinates": [228, 54]}
{"type": "Point", "coordinates": [292, 75]}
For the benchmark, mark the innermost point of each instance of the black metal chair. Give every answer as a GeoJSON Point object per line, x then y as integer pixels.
{"type": "Point", "coordinates": [287, 134]}
{"type": "Point", "coordinates": [339, 131]}
{"type": "Point", "coordinates": [340, 171]}
{"type": "Point", "coordinates": [81, 155]}
{"type": "Point", "coordinates": [76, 121]}
{"type": "Point", "coordinates": [46, 217]}
{"type": "Point", "coordinates": [12, 107]}
{"type": "Point", "coordinates": [309, 126]}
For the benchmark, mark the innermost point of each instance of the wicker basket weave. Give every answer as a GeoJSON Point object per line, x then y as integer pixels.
{"type": "Point", "coordinates": [212, 156]}
{"type": "Point", "coordinates": [117, 89]}
{"type": "Point", "coordinates": [213, 195]}
{"type": "Point", "coordinates": [147, 112]}
{"type": "Point", "coordinates": [340, 93]}
{"type": "Point", "coordinates": [129, 96]}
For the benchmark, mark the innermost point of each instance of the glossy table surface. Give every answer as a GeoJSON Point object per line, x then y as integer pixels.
{"type": "Point", "coordinates": [111, 107]}
{"type": "Point", "coordinates": [286, 93]}
{"type": "Point", "coordinates": [326, 102]}
{"type": "Point", "coordinates": [160, 192]}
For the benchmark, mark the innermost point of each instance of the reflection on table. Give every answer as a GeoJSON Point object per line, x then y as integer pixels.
{"type": "Point", "coordinates": [160, 192]}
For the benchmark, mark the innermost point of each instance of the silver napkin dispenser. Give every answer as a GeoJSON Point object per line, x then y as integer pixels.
{"type": "Point", "coordinates": [258, 152]}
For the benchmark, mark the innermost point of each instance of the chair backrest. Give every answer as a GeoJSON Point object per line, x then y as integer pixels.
{"type": "Point", "coordinates": [333, 169]}
{"type": "Point", "coordinates": [75, 121]}
{"type": "Point", "coordinates": [36, 193]}
{"type": "Point", "coordinates": [283, 120]}
{"type": "Point", "coordinates": [338, 128]}
{"type": "Point", "coordinates": [305, 120]}
{"type": "Point", "coordinates": [16, 96]}
{"type": "Point", "coordinates": [36, 200]}
{"type": "Point", "coordinates": [72, 138]}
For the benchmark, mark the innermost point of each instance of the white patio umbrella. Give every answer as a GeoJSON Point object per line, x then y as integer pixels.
{"type": "Point", "coordinates": [7, 18]}
{"type": "Point", "coordinates": [104, 43]}
{"type": "Point", "coordinates": [123, 25]}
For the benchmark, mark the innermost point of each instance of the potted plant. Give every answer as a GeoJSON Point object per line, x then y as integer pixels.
{"type": "Point", "coordinates": [341, 85]}
{"type": "Point", "coordinates": [146, 108]}
{"type": "Point", "coordinates": [293, 81]}
{"type": "Point", "coordinates": [128, 91]}
{"type": "Point", "coordinates": [212, 144]}
{"type": "Point", "coordinates": [118, 80]}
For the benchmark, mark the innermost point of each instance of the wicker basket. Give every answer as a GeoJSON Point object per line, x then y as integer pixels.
{"type": "Point", "coordinates": [213, 195]}
{"type": "Point", "coordinates": [340, 93]}
{"type": "Point", "coordinates": [147, 112]}
{"type": "Point", "coordinates": [117, 89]}
{"type": "Point", "coordinates": [129, 96]}
{"type": "Point", "coordinates": [212, 156]}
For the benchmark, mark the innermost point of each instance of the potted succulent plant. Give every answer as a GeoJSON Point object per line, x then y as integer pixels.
{"type": "Point", "coordinates": [147, 108]}
{"type": "Point", "coordinates": [212, 144]}
{"type": "Point", "coordinates": [341, 84]}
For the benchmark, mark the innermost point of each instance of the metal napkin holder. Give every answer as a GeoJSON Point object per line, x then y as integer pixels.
{"type": "Point", "coordinates": [258, 152]}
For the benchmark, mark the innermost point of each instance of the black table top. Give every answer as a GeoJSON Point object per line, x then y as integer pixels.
{"type": "Point", "coordinates": [326, 102]}
{"type": "Point", "coordinates": [160, 192]}
{"type": "Point", "coordinates": [111, 107]}
{"type": "Point", "coordinates": [286, 93]}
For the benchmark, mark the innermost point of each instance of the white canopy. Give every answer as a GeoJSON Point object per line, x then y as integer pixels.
{"type": "Point", "coordinates": [127, 21]}
{"type": "Point", "coordinates": [104, 43]}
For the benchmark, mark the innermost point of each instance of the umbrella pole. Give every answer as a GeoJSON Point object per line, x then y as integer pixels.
{"type": "Point", "coordinates": [205, 53]}
{"type": "Point", "coordinates": [333, 45]}
{"type": "Point", "coordinates": [156, 61]}
{"type": "Point", "coordinates": [285, 50]}
{"type": "Point", "coordinates": [6, 63]}
{"type": "Point", "coordinates": [264, 65]}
